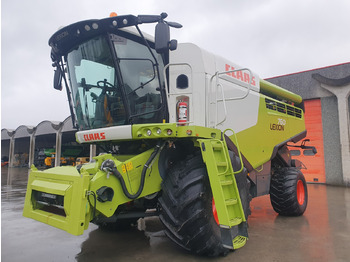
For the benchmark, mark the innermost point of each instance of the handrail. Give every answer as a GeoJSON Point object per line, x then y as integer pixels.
{"type": "Point", "coordinates": [167, 90]}
{"type": "Point", "coordinates": [165, 78]}
{"type": "Point", "coordinates": [239, 151]}
{"type": "Point", "coordinates": [225, 108]}
{"type": "Point", "coordinates": [217, 84]}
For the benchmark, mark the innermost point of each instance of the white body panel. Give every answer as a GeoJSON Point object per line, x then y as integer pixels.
{"type": "Point", "coordinates": [206, 103]}
{"type": "Point", "coordinates": [104, 134]}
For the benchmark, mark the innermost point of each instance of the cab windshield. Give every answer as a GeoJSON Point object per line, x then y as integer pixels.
{"type": "Point", "coordinates": [114, 81]}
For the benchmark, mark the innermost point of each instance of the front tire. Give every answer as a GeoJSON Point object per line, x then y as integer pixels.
{"type": "Point", "coordinates": [187, 213]}
{"type": "Point", "coordinates": [188, 208]}
{"type": "Point", "coordinates": [288, 192]}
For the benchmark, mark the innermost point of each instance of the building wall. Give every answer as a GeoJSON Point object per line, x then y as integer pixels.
{"type": "Point", "coordinates": [5, 147]}
{"type": "Point", "coordinates": [331, 140]}
{"type": "Point", "coordinates": [309, 88]}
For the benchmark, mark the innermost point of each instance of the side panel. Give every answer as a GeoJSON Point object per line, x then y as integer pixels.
{"type": "Point", "coordinates": [275, 125]}
{"type": "Point", "coordinates": [234, 97]}
{"type": "Point", "coordinates": [260, 122]}
{"type": "Point", "coordinates": [239, 114]}
{"type": "Point", "coordinates": [210, 101]}
{"type": "Point", "coordinates": [193, 62]}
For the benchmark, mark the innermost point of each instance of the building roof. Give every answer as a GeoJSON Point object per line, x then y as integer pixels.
{"type": "Point", "coordinates": [43, 128]}
{"type": "Point", "coordinates": [23, 131]}
{"type": "Point", "coordinates": [302, 83]}
{"type": "Point", "coordinates": [6, 133]}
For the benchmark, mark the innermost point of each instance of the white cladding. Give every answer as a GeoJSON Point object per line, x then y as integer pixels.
{"type": "Point", "coordinates": [213, 101]}
{"type": "Point", "coordinates": [104, 134]}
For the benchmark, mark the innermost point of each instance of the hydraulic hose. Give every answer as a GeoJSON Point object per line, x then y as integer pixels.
{"type": "Point", "coordinates": [109, 166]}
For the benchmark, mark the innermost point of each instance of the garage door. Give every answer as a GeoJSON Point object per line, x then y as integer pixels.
{"type": "Point", "coordinates": [315, 171]}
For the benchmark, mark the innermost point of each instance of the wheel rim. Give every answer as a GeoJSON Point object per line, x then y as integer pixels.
{"type": "Point", "coordinates": [300, 192]}
{"type": "Point", "coordinates": [215, 212]}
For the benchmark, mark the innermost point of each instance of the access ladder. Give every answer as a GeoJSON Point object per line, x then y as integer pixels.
{"type": "Point", "coordinates": [228, 204]}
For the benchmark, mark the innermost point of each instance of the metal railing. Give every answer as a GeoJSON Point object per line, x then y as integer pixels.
{"type": "Point", "coordinates": [223, 99]}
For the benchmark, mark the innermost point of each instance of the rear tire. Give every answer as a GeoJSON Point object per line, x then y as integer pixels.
{"type": "Point", "coordinates": [288, 192]}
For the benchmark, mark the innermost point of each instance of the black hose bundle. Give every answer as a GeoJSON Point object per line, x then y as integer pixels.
{"type": "Point", "coordinates": [109, 166]}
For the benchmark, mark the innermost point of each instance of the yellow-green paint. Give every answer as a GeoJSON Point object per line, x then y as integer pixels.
{"type": "Point", "coordinates": [222, 181]}
{"type": "Point", "coordinates": [76, 188]}
{"type": "Point", "coordinates": [63, 181]}
{"type": "Point", "coordinates": [160, 131]}
{"type": "Point", "coordinates": [223, 185]}
{"type": "Point", "coordinates": [131, 170]}
{"type": "Point", "coordinates": [258, 142]}
{"type": "Point", "coordinates": [283, 94]}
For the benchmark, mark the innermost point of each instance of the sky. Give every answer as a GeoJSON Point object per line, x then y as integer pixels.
{"type": "Point", "coordinates": [271, 37]}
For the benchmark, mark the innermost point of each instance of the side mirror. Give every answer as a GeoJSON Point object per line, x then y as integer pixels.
{"type": "Point", "coordinates": [57, 80]}
{"type": "Point", "coordinates": [162, 32]}
{"type": "Point", "coordinates": [162, 37]}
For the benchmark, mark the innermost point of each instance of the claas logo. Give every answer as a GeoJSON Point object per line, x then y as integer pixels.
{"type": "Point", "coordinates": [95, 136]}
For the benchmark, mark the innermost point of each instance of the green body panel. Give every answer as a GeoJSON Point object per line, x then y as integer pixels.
{"type": "Point", "coordinates": [130, 169]}
{"type": "Point", "coordinates": [76, 189]}
{"type": "Point", "coordinates": [274, 126]}
{"type": "Point", "coordinates": [61, 181]}
{"type": "Point", "coordinates": [276, 91]}
{"type": "Point", "coordinates": [140, 131]}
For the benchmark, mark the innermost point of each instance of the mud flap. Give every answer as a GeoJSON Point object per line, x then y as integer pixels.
{"type": "Point", "coordinates": [58, 197]}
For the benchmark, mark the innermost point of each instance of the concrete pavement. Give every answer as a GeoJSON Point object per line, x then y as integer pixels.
{"type": "Point", "coordinates": [321, 234]}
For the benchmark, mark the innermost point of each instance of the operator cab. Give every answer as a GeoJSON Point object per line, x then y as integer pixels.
{"type": "Point", "coordinates": [113, 76]}
{"type": "Point", "coordinates": [114, 81]}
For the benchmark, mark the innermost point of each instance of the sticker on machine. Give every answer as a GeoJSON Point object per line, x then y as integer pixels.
{"type": "Point", "coordinates": [279, 126]}
{"type": "Point", "coordinates": [104, 134]}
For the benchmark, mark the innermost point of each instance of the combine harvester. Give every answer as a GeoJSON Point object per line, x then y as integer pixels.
{"type": "Point", "coordinates": [194, 137]}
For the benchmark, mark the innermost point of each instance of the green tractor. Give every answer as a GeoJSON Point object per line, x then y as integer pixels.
{"type": "Point", "coordinates": [192, 137]}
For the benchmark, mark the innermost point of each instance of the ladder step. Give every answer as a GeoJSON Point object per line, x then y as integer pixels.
{"type": "Point", "coordinates": [231, 201]}
{"type": "Point", "coordinates": [226, 182]}
{"type": "Point", "coordinates": [224, 164]}
{"type": "Point", "coordinates": [239, 242]}
{"type": "Point", "coordinates": [217, 147]}
{"type": "Point", "coordinates": [235, 221]}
